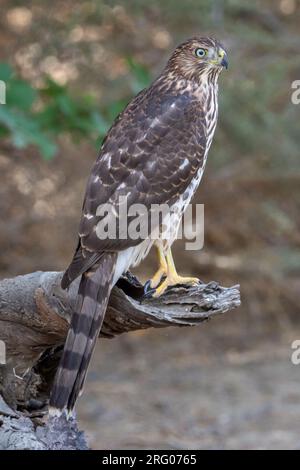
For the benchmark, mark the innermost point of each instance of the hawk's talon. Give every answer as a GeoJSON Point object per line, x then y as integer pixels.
{"type": "Point", "coordinates": [158, 277]}
{"type": "Point", "coordinates": [175, 281]}
{"type": "Point", "coordinates": [147, 286]}
{"type": "Point", "coordinates": [148, 291]}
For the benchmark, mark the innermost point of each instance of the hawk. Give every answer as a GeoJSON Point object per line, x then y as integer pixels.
{"type": "Point", "coordinates": [154, 153]}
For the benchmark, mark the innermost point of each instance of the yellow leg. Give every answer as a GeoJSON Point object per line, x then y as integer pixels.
{"type": "Point", "coordinates": [173, 277]}
{"type": "Point", "coordinates": [162, 270]}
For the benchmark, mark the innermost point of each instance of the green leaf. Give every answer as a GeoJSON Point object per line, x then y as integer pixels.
{"type": "Point", "coordinates": [100, 124]}
{"type": "Point", "coordinates": [20, 94]}
{"type": "Point", "coordinates": [53, 89]}
{"type": "Point", "coordinates": [24, 131]}
{"type": "Point", "coordinates": [141, 76]}
{"type": "Point", "coordinates": [5, 71]}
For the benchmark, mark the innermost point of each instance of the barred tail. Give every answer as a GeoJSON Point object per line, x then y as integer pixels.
{"type": "Point", "coordinates": [86, 322]}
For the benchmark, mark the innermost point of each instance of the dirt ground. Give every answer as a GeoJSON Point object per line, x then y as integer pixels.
{"type": "Point", "coordinates": [201, 388]}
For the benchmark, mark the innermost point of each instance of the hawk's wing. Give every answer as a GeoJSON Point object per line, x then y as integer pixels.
{"type": "Point", "coordinates": [150, 155]}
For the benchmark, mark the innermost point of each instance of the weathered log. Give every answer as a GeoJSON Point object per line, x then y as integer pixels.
{"type": "Point", "coordinates": [34, 317]}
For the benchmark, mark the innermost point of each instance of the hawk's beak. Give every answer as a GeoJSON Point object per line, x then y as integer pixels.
{"type": "Point", "coordinates": [224, 59]}
{"type": "Point", "coordinates": [224, 62]}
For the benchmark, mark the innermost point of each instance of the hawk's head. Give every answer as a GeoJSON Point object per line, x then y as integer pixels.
{"type": "Point", "coordinates": [197, 56]}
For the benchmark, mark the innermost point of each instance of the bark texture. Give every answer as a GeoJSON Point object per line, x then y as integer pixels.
{"type": "Point", "coordinates": [34, 317]}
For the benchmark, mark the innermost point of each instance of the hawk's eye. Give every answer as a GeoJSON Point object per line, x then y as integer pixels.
{"type": "Point", "coordinates": [200, 52]}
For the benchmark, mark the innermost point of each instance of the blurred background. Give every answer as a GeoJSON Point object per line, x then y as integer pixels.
{"type": "Point", "coordinates": [70, 66]}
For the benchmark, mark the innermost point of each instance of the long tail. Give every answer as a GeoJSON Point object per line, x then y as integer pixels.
{"type": "Point", "coordinates": [86, 322]}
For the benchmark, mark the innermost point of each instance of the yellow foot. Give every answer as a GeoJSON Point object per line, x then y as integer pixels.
{"type": "Point", "coordinates": [155, 280]}
{"type": "Point", "coordinates": [175, 281]}
{"type": "Point", "coordinates": [162, 270]}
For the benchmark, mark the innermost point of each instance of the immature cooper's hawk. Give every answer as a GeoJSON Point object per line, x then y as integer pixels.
{"type": "Point", "coordinates": [154, 153]}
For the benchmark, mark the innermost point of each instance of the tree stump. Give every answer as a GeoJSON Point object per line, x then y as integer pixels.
{"type": "Point", "coordinates": [34, 318]}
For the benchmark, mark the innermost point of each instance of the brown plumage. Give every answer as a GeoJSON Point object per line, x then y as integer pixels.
{"type": "Point", "coordinates": [154, 153]}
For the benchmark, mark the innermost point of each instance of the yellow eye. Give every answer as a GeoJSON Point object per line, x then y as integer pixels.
{"type": "Point", "coordinates": [200, 52]}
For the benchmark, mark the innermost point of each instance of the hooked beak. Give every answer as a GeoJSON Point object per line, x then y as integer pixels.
{"type": "Point", "coordinates": [224, 61]}
{"type": "Point", "coordinates": [223, 58]}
